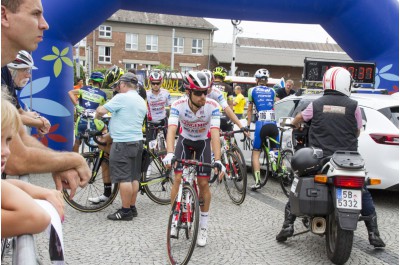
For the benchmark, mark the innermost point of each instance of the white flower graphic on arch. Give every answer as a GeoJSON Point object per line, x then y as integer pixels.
{"type": "Point", "coordinates": [42, 105]}
{"type": "Point", "coordinates": [384, 75]}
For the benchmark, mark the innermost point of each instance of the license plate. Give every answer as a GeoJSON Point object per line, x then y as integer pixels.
{"type": "Point", "coordinates": [348, 199]}
{"type": "Point", "coordinates": [294, 185]}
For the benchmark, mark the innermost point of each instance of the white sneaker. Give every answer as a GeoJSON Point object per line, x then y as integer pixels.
{"type": "Point", "coordinates": [202, 237]}
{"type": "Point", "coordinates": [99, 199]}
{"type": "Point", "coordinates": [256, 186]}
{"type": "Point", "coordinates": [174, 231]}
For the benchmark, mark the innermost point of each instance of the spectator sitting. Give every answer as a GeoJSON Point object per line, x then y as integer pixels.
{"type": "Point", "coordinates": [20, 214]}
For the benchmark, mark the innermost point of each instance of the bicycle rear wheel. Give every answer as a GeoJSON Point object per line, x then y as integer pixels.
{"type": "Point", "coordinates": [286, 174]}
{"type": "Point", "coordinates": [265, 171]}
{"type": "Point", "coordinates": [236, 179]}
{"type": "Point", "coordinates": [93, 189]}
{"type": "Point", "coordinates": [180, 247]}
{"type": "Point", "coordinates": [157, 182]}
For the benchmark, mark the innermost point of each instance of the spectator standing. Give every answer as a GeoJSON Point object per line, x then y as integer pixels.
{"type": "Point", "coordinates": [128, 112]}
{"type": "Point", "coordinates": [21, 71]}
{"type": "Point", "coordinates": [79, 83]}
{"type": "Point", "coordinates": [288, 90]}
{"type": "Point", "coordinates": [22, 28]}
{"type": "Point", "coordinates": [239, 102]}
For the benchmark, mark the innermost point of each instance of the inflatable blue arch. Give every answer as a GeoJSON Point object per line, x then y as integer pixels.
{"type": "Point", "coordinates": [368, 30]}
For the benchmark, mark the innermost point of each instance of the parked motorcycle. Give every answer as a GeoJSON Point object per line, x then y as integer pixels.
{"type": "Point", "coordinates": [327, 194]}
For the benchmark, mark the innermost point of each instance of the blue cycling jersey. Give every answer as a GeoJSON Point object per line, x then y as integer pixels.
{"type": "Point", "coordinates": [263, 99]}
{"type": "Point", "coordinates": [91, 97]}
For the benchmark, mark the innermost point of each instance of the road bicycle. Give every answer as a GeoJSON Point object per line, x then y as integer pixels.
{"type": "Point", "coordinates": [156, 181]}
{"type": "Point", "coordinates": [88, 115]}
{"type": "Point", "coordinates": [184, 215]}
{"type": "Point", "coordinates": [235, 177]}
{"type": "Point", "coordinates": [277, 162]}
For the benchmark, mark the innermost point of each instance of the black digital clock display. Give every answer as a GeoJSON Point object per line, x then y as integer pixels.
{"type": "Point", "coordinates": [362, 72]}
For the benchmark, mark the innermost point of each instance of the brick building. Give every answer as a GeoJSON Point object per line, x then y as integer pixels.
{"type": "Point", "coordinates": [282, 58]}
{"type": "Point", "coordinates": [141, 40]}
{"type": "Point", "coordinates": [144, 40]}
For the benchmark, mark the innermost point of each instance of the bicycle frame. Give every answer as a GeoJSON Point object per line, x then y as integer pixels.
{"type": "Point", "coordinates": [188, 176]}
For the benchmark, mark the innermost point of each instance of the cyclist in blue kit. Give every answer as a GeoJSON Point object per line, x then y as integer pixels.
{"type": "Point", "coordinates": [88, 97]}
{"type": "Point", "coordinates": [263, 99]}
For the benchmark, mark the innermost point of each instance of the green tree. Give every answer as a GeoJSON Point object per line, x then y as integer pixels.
{"type": "Point", "coordinates": [81, 72]}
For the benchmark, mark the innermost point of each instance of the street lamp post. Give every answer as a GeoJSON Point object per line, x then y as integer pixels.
{"type": "Point", "coordinates": [236, 30]}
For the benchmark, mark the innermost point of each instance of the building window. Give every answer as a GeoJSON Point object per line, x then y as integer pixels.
{"type": "Point", "coordinates": [197, 46]}
{"type": "Point", "coordinates": [130, 66]}
{"type": "Point", "coordinates": [104, 54]}
{"type": "Point", "coordinates": [105, 31]}
{"type": "Point", "coordinates": [178, 45]}
{"type": "Point", "coordinates": [131, 41]}
{"type": "Point", "coordinates": [151, 43]}
{"type": "Point", "coordinates": [185, 69]}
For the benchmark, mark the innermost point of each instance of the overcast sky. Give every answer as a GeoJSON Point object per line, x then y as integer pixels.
{"type": "Point", "coordinates": [268, 30]}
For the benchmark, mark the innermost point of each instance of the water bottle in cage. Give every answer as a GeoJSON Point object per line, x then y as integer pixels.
{"type": "Point", "coordinates": [184, 207]}
{"type": "Point", "coordinates": [272, 155]}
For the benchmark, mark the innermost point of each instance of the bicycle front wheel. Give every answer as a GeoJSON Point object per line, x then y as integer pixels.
{"type": "Point", "coordinates": [235, 179]}
{"type": "Point", "coordinates": [94, 188]}
{"type": "Point", "coordinates": [183, 226]}
{"type": "Point", "coordinates": [157, 182]}
{"type": "Point", "coordinates": [286, 174]}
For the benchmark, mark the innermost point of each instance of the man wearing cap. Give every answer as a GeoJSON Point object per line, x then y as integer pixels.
{"type": "Point", "coordinates": [128, 111]}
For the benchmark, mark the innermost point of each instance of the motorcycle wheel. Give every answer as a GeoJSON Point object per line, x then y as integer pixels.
{"type": "Point", "coordinates": [339, 242]}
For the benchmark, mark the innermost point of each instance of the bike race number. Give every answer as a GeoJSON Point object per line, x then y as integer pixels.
{"type": "Point", "coordinates": [348, 199]}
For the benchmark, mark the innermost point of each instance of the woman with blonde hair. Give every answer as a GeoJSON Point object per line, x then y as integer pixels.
{"type": "Point", "coordinates": [20, 214]}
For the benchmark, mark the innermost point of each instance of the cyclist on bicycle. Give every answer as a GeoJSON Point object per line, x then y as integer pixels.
{"type": "Point", "coordinates": [199, 118]}
{"type": "Point", "coordinates": [263, 99]}
{"type": "Point", "coordinates": [219, 73]}
{"type": "Point", "coordinates": [89, 97]}
{"type": "Point", "coordinates": [157, 99]}
{"type": "Point", "coordinates": [215, 92]}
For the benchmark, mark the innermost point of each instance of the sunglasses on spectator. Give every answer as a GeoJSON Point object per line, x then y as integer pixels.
{"type": "Point", "coordinates": [155, 84]}
{"type": "Point", "coordinates": [199, 93]}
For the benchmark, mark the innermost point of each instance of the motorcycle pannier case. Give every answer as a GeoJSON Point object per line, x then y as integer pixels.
{"type": "Point", "coordinates": [310, 198]}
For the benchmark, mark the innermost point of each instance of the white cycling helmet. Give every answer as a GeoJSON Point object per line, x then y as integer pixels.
{"type": "Point", "coordinates": [23, 60]}
{"type": "Point", "coordinates": [262, 73]}
{"type": "Point", "coordinates": [196, 80]}
{"type": "Point", "coordinates": [338, 79]}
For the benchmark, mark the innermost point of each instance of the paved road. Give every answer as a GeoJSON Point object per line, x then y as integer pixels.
{"type": "Point", "coordinates": [237, 234]}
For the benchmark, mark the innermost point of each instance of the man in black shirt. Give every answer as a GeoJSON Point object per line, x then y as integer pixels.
{"type": "Point", "coordinates": [285, 91]}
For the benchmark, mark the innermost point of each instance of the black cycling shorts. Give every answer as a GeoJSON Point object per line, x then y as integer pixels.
{"type": "Point", "coordinates": [202, 151]}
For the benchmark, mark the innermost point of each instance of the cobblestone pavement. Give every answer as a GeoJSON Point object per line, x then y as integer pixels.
{"type": "Point", "coordinates": [237, 234]}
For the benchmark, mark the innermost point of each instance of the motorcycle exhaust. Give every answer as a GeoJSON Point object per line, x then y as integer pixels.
{"type": "Point", "coordinates": [318, 225]}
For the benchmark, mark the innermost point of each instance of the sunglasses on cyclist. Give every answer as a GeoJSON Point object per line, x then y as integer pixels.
{"type": "Point", "coordinates": [199, 93]}
{"type": "Point", "coordinates": [155, 84]}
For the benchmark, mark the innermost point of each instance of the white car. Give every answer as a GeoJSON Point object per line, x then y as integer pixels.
{"type": "Point", "coordinates": [378, 142]}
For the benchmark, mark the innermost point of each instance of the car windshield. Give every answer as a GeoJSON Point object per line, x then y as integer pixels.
{"type": "Point", "coordinates": [392, 113]}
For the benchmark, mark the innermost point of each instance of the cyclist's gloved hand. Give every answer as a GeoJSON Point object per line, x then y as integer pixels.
{"type": "Point", "coordinates": [99, 124]}
{"type": "Point", "coordinates": [218, 165]}
{"type": "Point", "coordinates": [167, 160]}
{"type": "Point", "coordinates": [79, 108]}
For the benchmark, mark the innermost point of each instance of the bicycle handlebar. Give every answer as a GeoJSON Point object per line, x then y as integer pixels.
{"type": "Point", "coordinates": [92, 134]}
{"type": "Point", "coordinates": [191, 162]}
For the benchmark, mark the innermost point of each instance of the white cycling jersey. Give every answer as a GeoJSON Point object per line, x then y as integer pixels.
{"type": "Point", "coordinates": [217, 95]}
{"type": "Point", "coordinates": [194, 126]}
{"type": "Point", "coordinates": [157, 103]}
